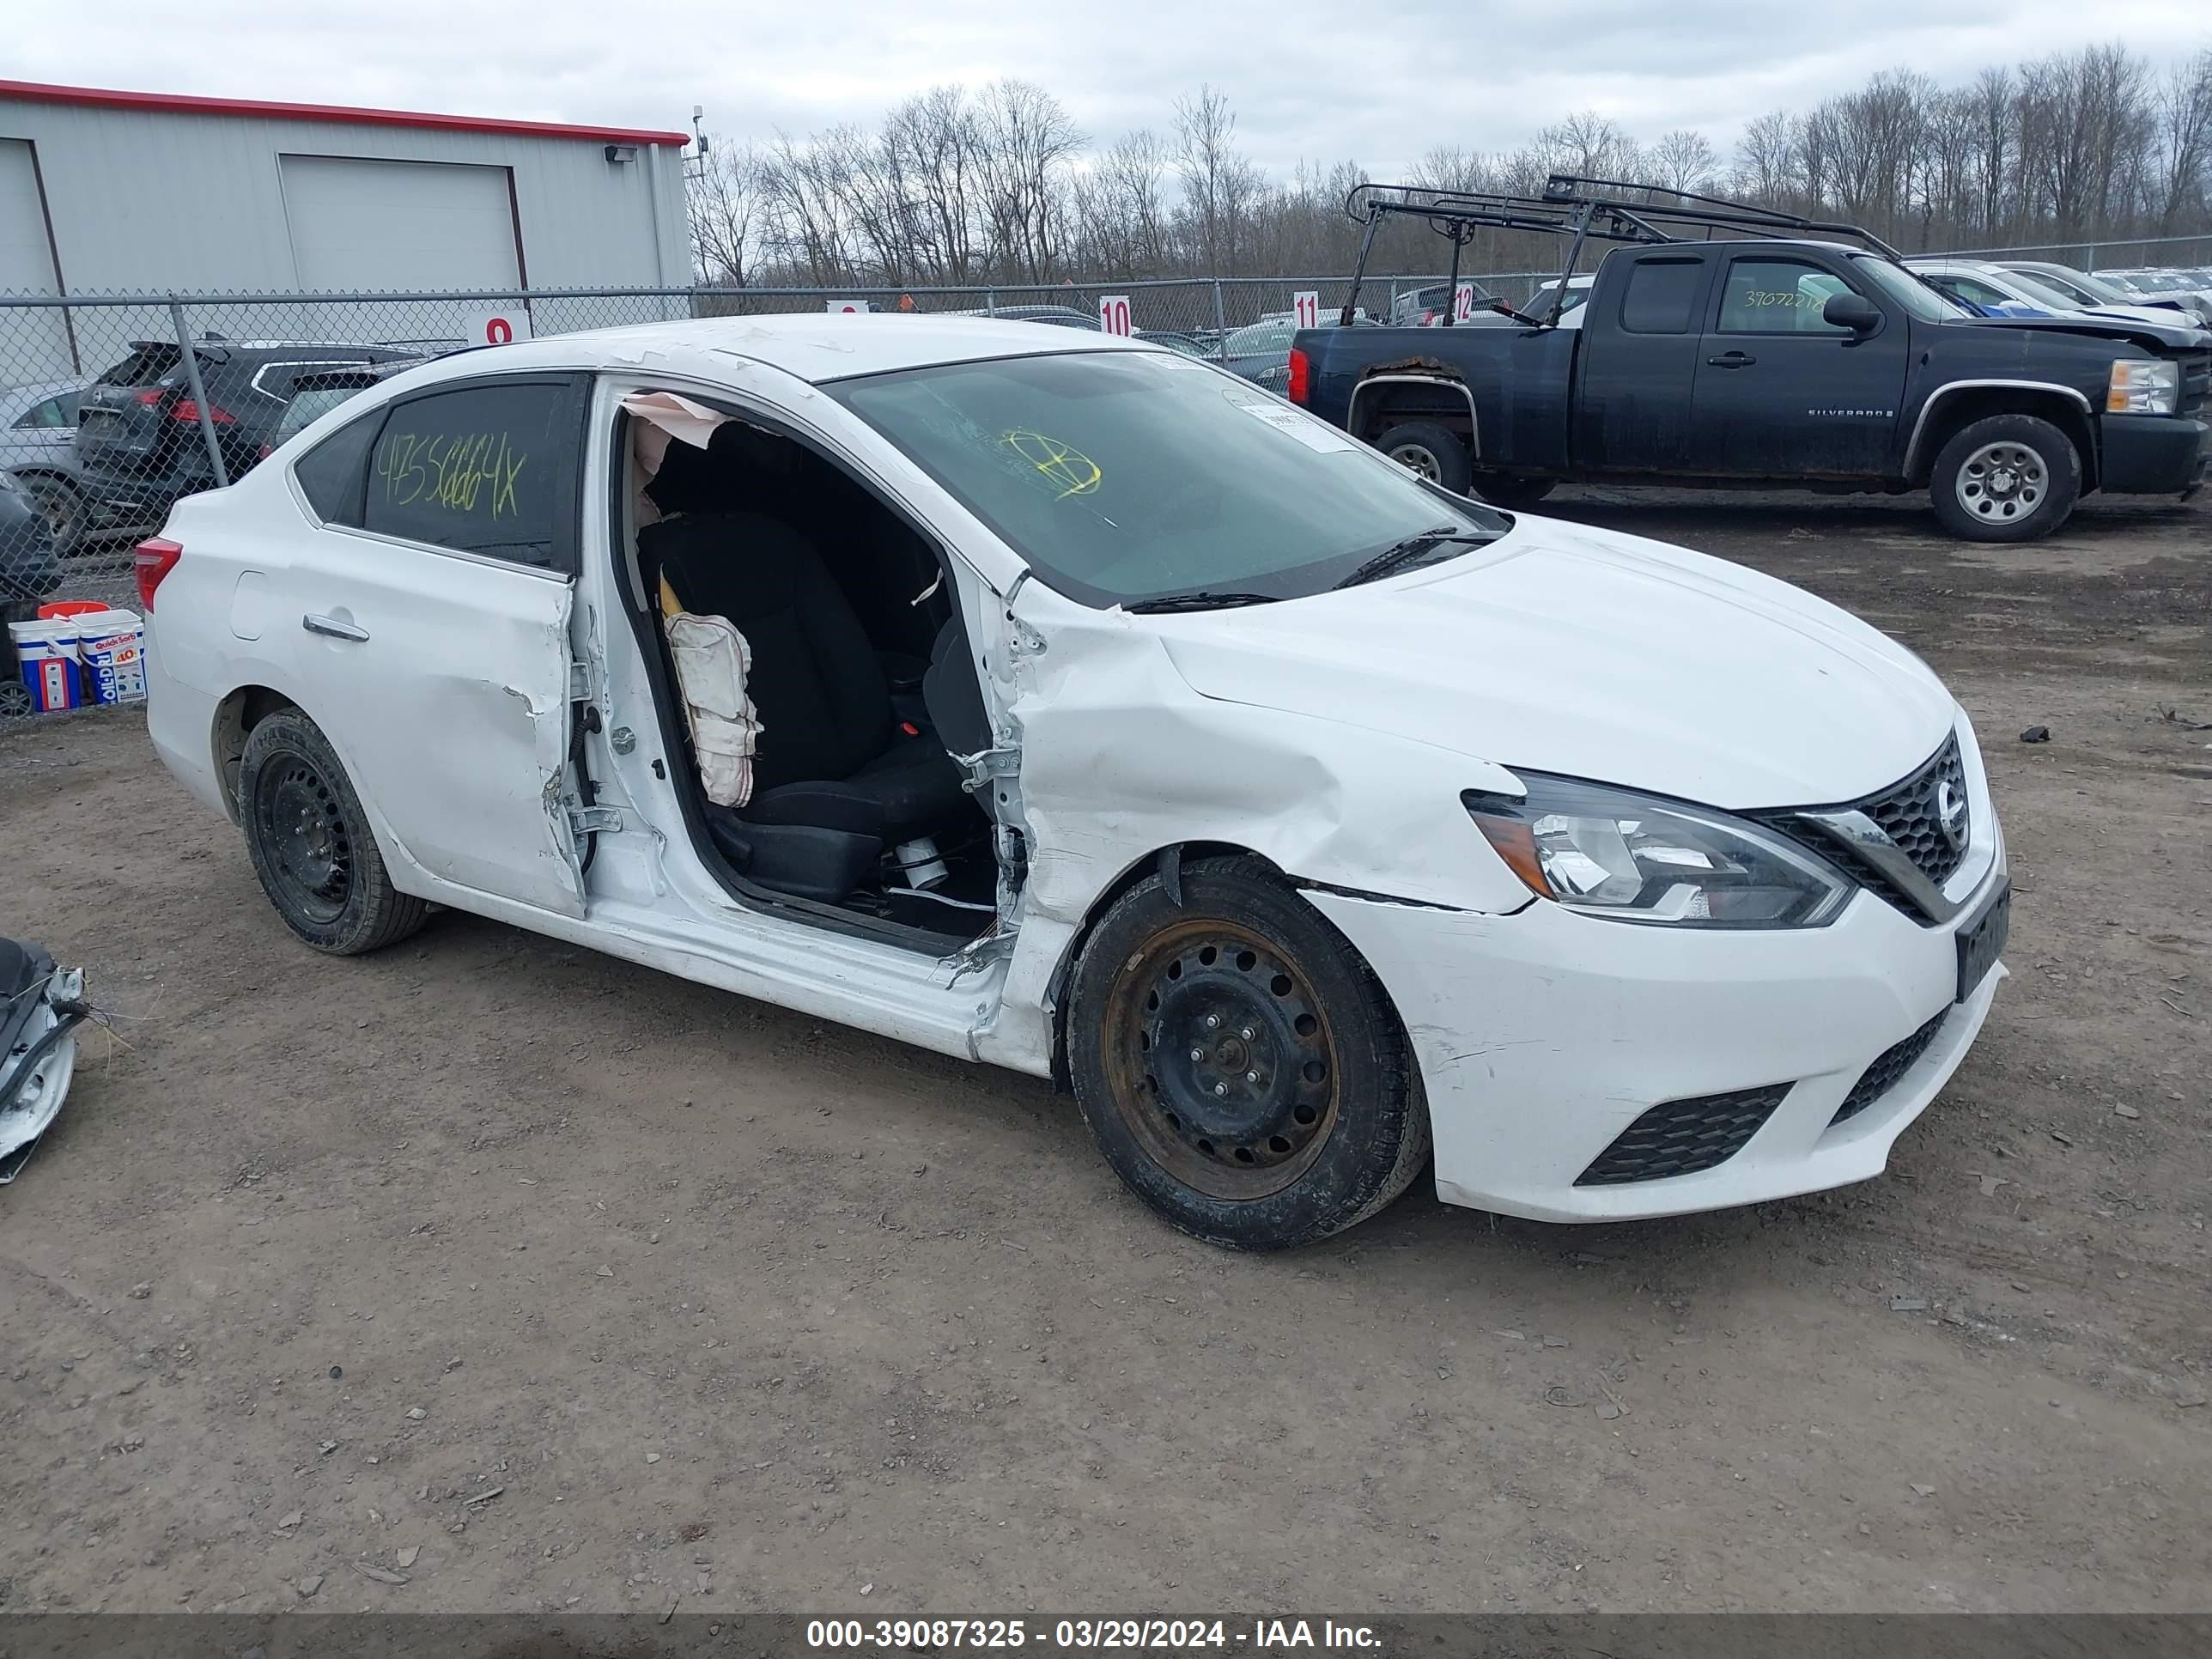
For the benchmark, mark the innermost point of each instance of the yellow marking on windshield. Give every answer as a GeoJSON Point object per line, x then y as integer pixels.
{"type": "Point", "coordinates": [1071, 470]}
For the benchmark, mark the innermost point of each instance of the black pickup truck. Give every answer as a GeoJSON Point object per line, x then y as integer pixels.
{"type": "Point", "coordinates": [1790, 353]}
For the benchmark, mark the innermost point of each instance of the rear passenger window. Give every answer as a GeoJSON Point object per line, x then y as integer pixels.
{"type": "Point", "coordinates": [1661, 297]}
{"type": "Point", "coordinates": [1779, 296]}
{"type": "Point", "coordinates": [331, 474]}
{"type": "Point", "coordinates": [487, 469]}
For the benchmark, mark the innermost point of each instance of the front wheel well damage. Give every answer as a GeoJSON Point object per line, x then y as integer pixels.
{"type": "Point", "coordinates": [235, 717]}
{"type": "Point", "coordinates": [1167, 864]}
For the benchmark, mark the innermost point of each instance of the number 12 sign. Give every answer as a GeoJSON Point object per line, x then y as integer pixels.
{"type": "Point", "coordinates": [1114, 314]}
{"type": "Point", "coordinates": [1305, 308]}
{"type": "Point", "coordinates": [1463, 302]}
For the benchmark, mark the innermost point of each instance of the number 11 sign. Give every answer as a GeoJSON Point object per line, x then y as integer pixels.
{"type": "Point", "coordinates": [1305, 308]}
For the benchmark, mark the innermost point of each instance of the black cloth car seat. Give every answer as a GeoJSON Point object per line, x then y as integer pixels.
{"type": "Point", "coordinates": [833, 754]}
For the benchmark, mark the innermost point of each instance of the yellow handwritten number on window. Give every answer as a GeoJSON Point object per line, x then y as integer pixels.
{"type": "Point", "coordinates": [1070, 470]}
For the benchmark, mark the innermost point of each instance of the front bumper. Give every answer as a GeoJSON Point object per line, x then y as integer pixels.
{"type": "Point", "coordinates": [1541, 1035]}
{"type": "Point", "coordinates": [2153, 454]}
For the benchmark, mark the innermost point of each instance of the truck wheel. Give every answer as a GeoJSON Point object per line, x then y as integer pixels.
{"type": "Point", "coordinates": [311, 844]}
{"type": "Point", "coordinates": [2006, 478]}
{"type": "Point", "coordinates": [1429, 451]}
{"type": "Point", "coordinates": [1239, 1064]}
{"type": "Point", "coordinates": [1502, 491]}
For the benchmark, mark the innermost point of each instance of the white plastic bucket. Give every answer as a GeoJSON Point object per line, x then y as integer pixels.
{"type": "Point", "coordinates": [47, 651]}
{"type": "Point", "coordinates": [111, 653]}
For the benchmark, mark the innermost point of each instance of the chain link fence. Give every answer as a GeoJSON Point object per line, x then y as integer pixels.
{"type": "Point", "coordinates": [2155, 252]}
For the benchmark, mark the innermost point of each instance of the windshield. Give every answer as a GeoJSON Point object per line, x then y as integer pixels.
{"type": "Point", "coordinates": [2093, 290]}
{"type": "Point", "coordinates": [1908, 290]}
{"type": "Point", "coordinates": [1123, 476]}
{"type": "Point", "coordinates": [1261, 336]}
{"type": "Point", "coordinates": [2040, 294]}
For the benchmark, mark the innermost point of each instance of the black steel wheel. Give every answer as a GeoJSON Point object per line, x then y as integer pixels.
{"type": "Point", "coordinates": [1229, 1081]}
{"type": "Point", "coordinates": [311, 845]}
{"type": "Point", "coordinates": [1238, 1064]}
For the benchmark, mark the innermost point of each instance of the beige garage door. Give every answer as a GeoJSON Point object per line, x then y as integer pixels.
{"type": "Point", "coordinates": [361, 224]}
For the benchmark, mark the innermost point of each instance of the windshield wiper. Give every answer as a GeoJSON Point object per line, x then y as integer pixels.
{"type": "Point", "coordinates": [1400, 554]}
{"type": "Point", "coordinates": [1200, 601]}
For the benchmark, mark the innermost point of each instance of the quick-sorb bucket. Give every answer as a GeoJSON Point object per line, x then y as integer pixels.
{"type": "Point", "coordinates": [111, 653]}
{"type": "Point", "coordinates": [47, 654]}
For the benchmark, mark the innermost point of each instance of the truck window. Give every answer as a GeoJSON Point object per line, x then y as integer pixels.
{"type": "Point", "coordinates": [1661, 297]}
{"type": "Point", "coordinates": [1767, 296]}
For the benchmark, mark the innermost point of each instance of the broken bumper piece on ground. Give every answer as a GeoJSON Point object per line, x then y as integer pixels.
{"type": "Point", "coordinates": [40, 1007]}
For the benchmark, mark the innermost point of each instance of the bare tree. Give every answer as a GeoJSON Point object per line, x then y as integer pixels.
{"type": "Point", "coordinates": [2183, 125]}
{"type": "Point", "coordinates": [1028, 147]}
{"type": "Point", "coordinates": [956, 186]}
{"type": "Point", "coordinates": [725, 202]}
{"type": "Point", "coordinates": [1221, 183]}
{"type": "Point", "coordinates": [1684, 160]}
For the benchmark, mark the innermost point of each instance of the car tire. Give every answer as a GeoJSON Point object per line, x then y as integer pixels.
{"type": "Point", "coordinates": [311, 847]}
{"type": "Point", "coordinates": [1432, 451]}
{"type": "Point", "coordinates": [61, 507]}
{"type": "Point", "coordinates": [1500, 491]}
{"type": "Point", "coordinates": [1296, 1113]}
{"type": "Point", "coordinates": [2005, 479]}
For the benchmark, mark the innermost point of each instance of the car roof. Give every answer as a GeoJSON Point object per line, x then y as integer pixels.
{"type": "Point", "coordinates": [817, 347]}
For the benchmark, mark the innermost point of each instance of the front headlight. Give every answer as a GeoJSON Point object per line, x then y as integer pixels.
{"type": "Point", "coordinates": [1612, 852]}
{"type": "Point", "coordinates": [2138, 388]}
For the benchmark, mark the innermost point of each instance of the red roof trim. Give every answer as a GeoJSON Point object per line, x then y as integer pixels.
{"type": "Point", "coordinates": [181, 103]}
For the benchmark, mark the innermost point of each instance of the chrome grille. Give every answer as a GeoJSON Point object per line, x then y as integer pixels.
{"type": "Point", "coordinates": [1909, 815]}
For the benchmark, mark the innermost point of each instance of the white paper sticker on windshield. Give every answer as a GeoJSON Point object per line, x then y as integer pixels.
{"type": "Point", "coordinates": [1313, 433]}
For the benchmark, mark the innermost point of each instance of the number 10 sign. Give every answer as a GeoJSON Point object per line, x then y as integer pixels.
{"type": "Point", "coordinates": [1114, 314]}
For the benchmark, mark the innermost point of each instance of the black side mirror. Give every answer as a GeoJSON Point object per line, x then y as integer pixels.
{"type": "Point", "coordinates": [1852, 310]}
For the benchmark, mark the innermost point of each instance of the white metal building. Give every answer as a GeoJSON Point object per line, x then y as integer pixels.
{"type": "Point", "coordinates": [127, 191]}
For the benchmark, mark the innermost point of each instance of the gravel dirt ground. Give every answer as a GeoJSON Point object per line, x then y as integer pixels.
{"type": "Point", "coordinates": [488, 1273]}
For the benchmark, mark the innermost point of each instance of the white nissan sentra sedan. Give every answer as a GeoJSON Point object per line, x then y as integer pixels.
{"type": "Point", "coordinates": [1061, 702]}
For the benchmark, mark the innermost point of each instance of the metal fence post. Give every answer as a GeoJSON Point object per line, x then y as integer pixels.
{"type": "Point", "coordinates": [1220, 323]}
{"type": "Point", "coordinates": [199, 393]}
{"type": "Point", "coordinates": [990, 302]}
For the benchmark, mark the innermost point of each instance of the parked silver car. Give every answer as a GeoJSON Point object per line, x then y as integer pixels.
{"type": "Point", "coordinates": [37, 444]}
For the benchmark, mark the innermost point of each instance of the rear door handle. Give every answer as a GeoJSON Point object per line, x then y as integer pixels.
{"type": "Point", "coordinates": [1732, 360]}
{"type": "Point", "coordinates": [334, 628]}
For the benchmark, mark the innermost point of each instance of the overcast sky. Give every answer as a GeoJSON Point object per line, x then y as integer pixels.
{"type": "Point", "coordinates": [1380, 87]}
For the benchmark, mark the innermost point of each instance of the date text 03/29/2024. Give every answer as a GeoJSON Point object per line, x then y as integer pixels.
{"type": "Point", "coordinates": [1260, 1636]}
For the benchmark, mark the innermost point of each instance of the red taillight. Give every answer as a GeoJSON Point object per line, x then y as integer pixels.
{"type": "Point", "coordinates": [1295, 391]}
{"type": "Point", "coordinates": [267, 450]}
{"type": "Point", "coordinates": [186, 410]}
{"type": "Point", "coordinates": [152, 395]}
{"type": "Point", "coordinates": [154, 558]}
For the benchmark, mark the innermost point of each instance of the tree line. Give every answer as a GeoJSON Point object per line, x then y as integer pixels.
{"type": "Point", "coordinates": [999, 185]}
